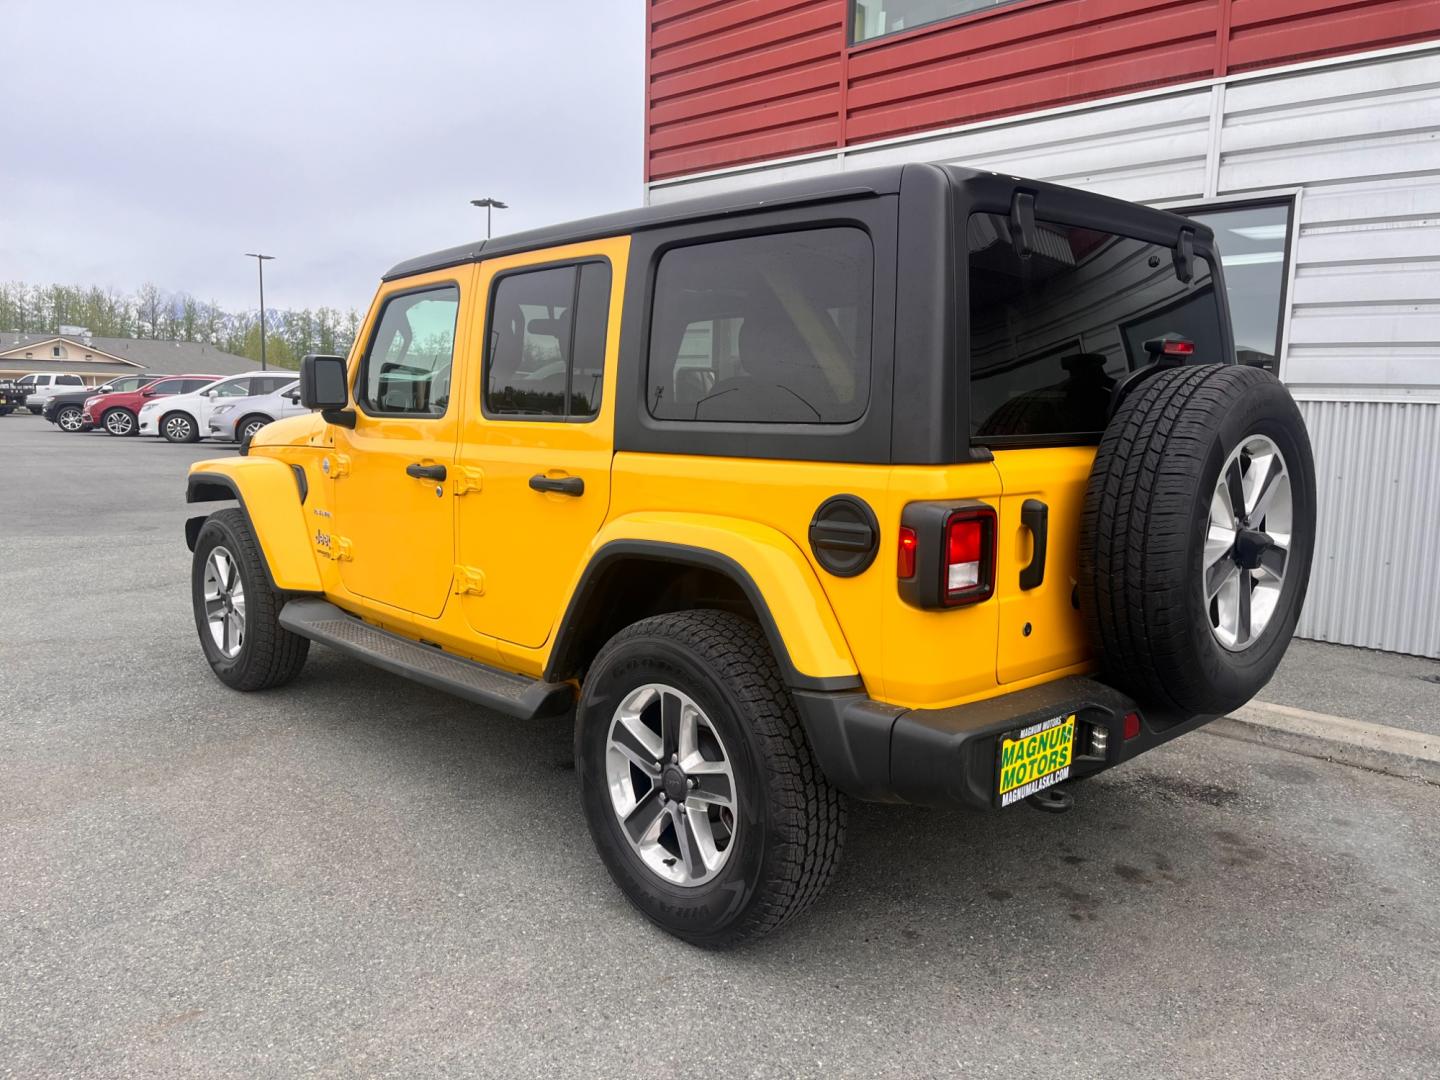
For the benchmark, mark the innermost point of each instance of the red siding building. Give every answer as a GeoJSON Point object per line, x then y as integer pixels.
{"type": "Point", "coordinates": [1307, 134]}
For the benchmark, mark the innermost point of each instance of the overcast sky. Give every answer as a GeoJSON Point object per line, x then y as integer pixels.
{"type": "Point", "coordinates": [148, 141]}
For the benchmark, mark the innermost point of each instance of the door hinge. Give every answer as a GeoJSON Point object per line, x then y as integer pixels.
{"type": "Point", "coordinates": [469, 580]}
{"type": "Point", "coordinates": [335, 465]}
{"type": "Point", "coordinates": [468, 479]}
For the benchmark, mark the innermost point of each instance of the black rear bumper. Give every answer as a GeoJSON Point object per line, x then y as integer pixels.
{"type": "Point", "coordinates": [947, 757]}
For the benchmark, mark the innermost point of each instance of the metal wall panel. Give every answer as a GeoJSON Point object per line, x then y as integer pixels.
{"type": "Point", "coordinates": [1376, 580]}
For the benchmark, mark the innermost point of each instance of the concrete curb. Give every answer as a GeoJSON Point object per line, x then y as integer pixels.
{"type": "Point", "coordinates": [1412, 755]}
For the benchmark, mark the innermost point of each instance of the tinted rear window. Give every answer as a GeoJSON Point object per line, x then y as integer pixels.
{"type": "Point", "coordinates": [763, 329]}
{"type": "Point", "coordinates": [1051, 333]}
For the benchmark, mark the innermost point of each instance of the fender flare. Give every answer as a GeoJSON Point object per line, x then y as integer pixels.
{"type": "Point", "coordinates": [804, 636]}
{"type": "Point", "coordinates": [271, 495]}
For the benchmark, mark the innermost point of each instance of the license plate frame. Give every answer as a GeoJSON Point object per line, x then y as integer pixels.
{"type": "Point", "coordinates": [1040, 761]}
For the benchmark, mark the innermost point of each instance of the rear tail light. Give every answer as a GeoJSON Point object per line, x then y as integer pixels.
{"type": "Point", "coordinates": [1132, 725]}
{"type": "Point", "coordinates": [945, 555]}
{"type": "Point", "coordinates": [969, 567]}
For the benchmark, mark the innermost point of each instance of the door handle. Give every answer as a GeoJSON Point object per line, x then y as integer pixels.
{"type": "Point", "coordinates": [425, 472]}
{"type": "Point", "coordinates": [562, 485]}
{"type": "Point", "coordinates": [1035, 516]}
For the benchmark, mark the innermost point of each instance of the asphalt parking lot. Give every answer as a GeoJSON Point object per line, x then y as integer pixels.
{"type": "Point", "coordinates": [356, 876]}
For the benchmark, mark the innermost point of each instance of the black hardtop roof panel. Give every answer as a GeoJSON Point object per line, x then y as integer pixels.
{"type": "Point", "coordinates": [831, 186]}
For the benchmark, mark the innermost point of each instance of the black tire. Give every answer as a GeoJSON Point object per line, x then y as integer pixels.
{"type": "Point", "coordinates": [179, 427]}
{"type": "Point", "coordinates": [790, 822]}
{"type": "Point", "coordinates": [67, 418]}
{"type": "Point", "coordinates": [34, 411]}
{"type": "Point", "coordinates": [1143, 532]}
{"type": "Point", "coordinates": [243, 424]}
{"type": "Point", "coordinates": [269, 655]}
{"type": "Point", "coordinates": [120, 422]}
{"type": "Point", "coordinates": [6, 410]}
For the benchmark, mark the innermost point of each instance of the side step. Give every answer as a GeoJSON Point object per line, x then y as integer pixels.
{"type": "Point", "coordinates": [513, 695]}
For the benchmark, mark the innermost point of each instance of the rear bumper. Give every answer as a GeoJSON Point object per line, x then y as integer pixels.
{"type": "Point", "coordinates": [948, 757]}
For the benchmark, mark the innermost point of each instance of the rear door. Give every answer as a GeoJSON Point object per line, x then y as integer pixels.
{"type": "Point", "coordinates": [1051, 333]}
{"type": "Point", "coordinates": [535, 454]}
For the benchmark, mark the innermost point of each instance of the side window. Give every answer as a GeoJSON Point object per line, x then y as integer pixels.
{"type": "Point", "coordinates": [189, 386]}
{"type": "Point", "coordinates": [70, 380]}
{"type": "Point", "coordinates": [545, 354]}
{"type": "Point", "coordinates": [764, 329]}
{"type": "Point", "coordinates": [42, 380]}
{"type": "Point", "coordinates": [268, 384]}
{"type": "Point", "coordinates": [167, 386]}
{"type": "Point", "coordinates": [407, 368]}
{"type": "Point", "coordinates": [234, 388]}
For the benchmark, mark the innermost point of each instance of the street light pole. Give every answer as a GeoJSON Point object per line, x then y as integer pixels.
{"type": "Point", "coordinates": [488, 204]}
{"type": "Point", "coordinates": [260, 262]}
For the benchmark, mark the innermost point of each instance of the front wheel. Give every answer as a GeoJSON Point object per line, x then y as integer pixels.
{"type": "Point", "coordinates": [119, 422]}
{"type": "Point", "coordinates": [700, 789]}
{"type": "Point", "coordinates": [249, 427]}
{"type": "Point", "coordinates": [178, 427]}
{"type": "Point", "coordinates": [237, 609]}
{"type": "Point", "coordinates": [68, 418]}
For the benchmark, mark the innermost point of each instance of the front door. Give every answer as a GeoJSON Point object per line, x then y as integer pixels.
{"type": "Point", "coordinates": [393, 529]}
{"type": "Point", "coordinates": [536, 451]}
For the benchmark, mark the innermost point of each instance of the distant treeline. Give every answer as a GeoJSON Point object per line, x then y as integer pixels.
{"type": "Point", "coordinates": [150, 312]}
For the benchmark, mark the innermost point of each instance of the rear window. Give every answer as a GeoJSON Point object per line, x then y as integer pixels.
{"type": "Point", "coordinates": [1052, 332]}
{"type": "Point", "coordinates": [763, 329]}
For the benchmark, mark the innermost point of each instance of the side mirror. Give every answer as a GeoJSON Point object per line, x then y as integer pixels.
{"type": "Point", "coordinates": [207, 393]}
{"type": "Point", "coordinates": [323, 386]}
{"type": "Point", "coordinates": [293, 395]}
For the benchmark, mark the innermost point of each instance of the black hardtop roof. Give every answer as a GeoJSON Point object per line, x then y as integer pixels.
{"type": "Point", "coordinates": [883, 180]}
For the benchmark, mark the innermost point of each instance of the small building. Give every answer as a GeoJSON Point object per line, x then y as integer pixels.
{"type": "Point", "coordinates": [97, 359]}
{"type": "Point", "coordinates": [1307, 135]}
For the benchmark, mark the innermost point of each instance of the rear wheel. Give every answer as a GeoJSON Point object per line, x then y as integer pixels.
{"type": "Point", "coordinates": [68, 418]}
{"type": "Point", "coordinates": [1196, 537]}
{"type": "Point", "coordinates": [702, 795]}
{"type": "Point", "coordinates": [237, 609]}
{"type": "Point", "coordinates": [179, 427]}
{"type": "Point", "coordinates": [120, 422]}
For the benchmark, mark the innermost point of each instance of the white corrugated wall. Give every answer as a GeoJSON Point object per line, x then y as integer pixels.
{"type": "Point", "coordinates": [1357, 141]}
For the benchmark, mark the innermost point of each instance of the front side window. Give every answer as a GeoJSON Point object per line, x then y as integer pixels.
{"type": "Point", "coordinates": [407, 369]}
{"type": "Point", "coordinates": [763, 329]}
{"type": "Point", "coordinates": [1251, 241]}
{"type": "Point", "coordinates": [876, 18]}
{"type": "Point", "coordinates": [545, 356]}
{"type": "Point", "coordinates": [189, 386]}
{"type": "Point", "coordinates": [168, 386]}
{"type": "Point", "coordinates": [1051, 332]}
{"type": "Point", "coordinates": [233, 388]}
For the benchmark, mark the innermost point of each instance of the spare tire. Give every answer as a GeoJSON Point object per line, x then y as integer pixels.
{"type": "Point", "coordinates": [1196, 537]}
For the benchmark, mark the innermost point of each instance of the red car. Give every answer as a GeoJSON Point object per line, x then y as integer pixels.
{"type": "Point", "coordinates": [119, 413]}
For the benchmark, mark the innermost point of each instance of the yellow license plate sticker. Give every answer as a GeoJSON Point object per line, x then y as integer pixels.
{"type": "Point", "coordinates": [1035, 757]}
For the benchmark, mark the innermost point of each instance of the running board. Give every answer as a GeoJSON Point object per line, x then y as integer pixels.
{"type": "Point", "coordinates": [513, 695]}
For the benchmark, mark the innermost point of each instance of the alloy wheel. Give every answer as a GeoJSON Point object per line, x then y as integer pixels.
{"type": "Point", "coordinates": [224, 602]}
{"type": "Point", "coordinates": [251, 428]}
{"type": "Point", "coordinates": [671, 785]}
{"type": "Point", "coordinates": [177, 429]}
{"type": "Point", "coordinates": [119, 422]}
{"type": "Point", "coordinates": [1247, 543]}
{"type": "Point", "coordinates": [69, 419]}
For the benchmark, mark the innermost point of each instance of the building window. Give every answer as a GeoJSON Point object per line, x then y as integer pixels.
{"type": "Point", "coordinates": [1254, 244]}
{"type": "Point", "coordinates": [876, 18]}
{"type": "Point", "coordinates": [55, 350]}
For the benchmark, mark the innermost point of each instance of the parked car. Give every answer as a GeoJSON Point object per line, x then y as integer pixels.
{"type": "Point", "coordinates": [40, 388]}
{"type": "Point", "coordinates": [183, 418]}
{"type": "Point", "coordinates": [118, 413]}
{"type": "Point", "coordinates": [918, 484]}
{"type": "Point", "coordinates": [12, 396]}
{"type": "Point", "coordinates": [66, 411]}
{"type": "Point", "coordinates": [238, 419]}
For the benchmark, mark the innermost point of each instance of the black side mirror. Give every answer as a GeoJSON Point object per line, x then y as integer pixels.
{"type": "Point", "coordinates": [322, 382]}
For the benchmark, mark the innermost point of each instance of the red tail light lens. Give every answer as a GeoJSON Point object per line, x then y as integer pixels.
{"type": "Point", "coordinates": [1132, 725]}
{"type": "Point", "coordinates": [969, 571]}
{"type": "Point", "coordinates": [1179, 348]}
{"type": "Point", "coordinates": [905, 558]}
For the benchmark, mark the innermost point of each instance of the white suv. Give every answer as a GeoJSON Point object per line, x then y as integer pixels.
{"type": "Point", "coordinates": [183, 418]}
{"type": "Point", "coordinates": [43, 387]}
{"type": "Point", "coordinates": [237, 419]}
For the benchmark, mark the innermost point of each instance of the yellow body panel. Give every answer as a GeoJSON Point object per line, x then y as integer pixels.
{"type": "Point", "coordinates": [271, 498]}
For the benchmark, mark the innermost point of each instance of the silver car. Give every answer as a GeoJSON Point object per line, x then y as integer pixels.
{"type": "Point", "coordinates": [239, 418]}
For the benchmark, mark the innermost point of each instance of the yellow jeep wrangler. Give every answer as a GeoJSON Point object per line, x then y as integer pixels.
{"type": "Point", "coordinates": [916, 484]}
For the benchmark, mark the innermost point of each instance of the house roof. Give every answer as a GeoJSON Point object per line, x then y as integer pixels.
{"type": "Point", "coordinates": [190, 356]}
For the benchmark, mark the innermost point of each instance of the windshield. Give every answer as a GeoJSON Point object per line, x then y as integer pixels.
{"type": "Point", "coordinates": [1052, 332]}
